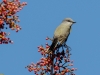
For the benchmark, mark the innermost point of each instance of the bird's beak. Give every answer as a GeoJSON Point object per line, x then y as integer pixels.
{"type": "Point", "coordinates": [74, 22]}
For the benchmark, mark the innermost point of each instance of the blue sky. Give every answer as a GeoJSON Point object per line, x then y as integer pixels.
{"type": "Point", "coordinates": [39, 19]}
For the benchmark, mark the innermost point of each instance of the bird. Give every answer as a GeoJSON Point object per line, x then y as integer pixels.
{"type": "Point", "coordinates": [61, 33]}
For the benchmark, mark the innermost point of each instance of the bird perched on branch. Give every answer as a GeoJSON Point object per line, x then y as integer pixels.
{"type": "Point", "coordinates": [61, 33]}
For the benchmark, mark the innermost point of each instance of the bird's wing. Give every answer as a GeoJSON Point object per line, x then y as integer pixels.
{"type": "Point", "coordinates": [62, 32]}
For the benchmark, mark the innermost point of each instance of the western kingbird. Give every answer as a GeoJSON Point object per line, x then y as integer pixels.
{"type": "Point", "coordinates": [61, 33]}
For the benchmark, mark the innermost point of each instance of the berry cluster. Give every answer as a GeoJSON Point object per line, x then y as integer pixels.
{"type": "Point", "coordinates": [3, 39]}
{"type": "Point", "coordinates": [8, 17]}
{"type": "Point", "coordinates": [57, 63]}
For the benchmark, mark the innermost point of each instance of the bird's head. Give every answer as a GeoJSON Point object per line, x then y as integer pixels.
{"type": "Point", "coordinates": [69, 21]}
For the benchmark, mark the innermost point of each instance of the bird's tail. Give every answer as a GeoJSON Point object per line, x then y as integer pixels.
{"type": "Point", "coordinates": [53, 45]}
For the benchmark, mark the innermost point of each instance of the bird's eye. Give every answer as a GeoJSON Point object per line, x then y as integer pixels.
{"type": "Point", "coordinates": [68, 20]}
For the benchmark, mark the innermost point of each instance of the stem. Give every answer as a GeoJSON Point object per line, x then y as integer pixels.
{"type": "Point", "coordinates": [52, 69]}
{"type": "Point", "coordinates": [52, 65]}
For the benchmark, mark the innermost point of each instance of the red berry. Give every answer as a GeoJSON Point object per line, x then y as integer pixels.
{"type": "Point", "coordinates": [47, 38]}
